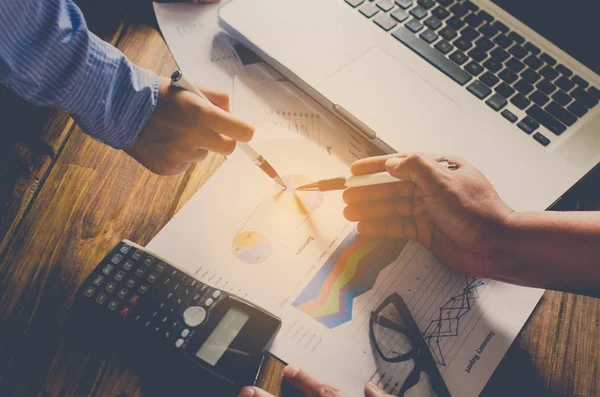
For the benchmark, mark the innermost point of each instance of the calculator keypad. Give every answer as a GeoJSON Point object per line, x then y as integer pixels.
{"type": "Point", "coordinates": [151, 294]}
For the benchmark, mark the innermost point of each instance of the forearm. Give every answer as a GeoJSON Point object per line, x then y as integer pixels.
{"type": "Point", "coordinates": [555, 250]}
{"type": "Point", "coordinates": [49, 57]}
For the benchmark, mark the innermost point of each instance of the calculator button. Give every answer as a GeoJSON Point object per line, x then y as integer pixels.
{"type": "Point", "coordinates": [110, 287]}
{"type": "Point", "coordinates": [149, 261]}
{"type": "Point", "coordinates": [193, 283]}
{"type": "Point", "coordinates": [143, 289]}
{"type": "Point", "coordinates": [119, 276]}
{"type": "Point", "coordinates": [98, 280]}
{"type": "Point", "coordinates": [185, 333]}
{"type": "Point", "coordinates": [101, 298]}
{"type": "Point", "coordinates": [134, 300]}
{"type": "Point", "coordinates": [117, 259]}
{"type": "Point", "coordinates": [108, 269]}
{"type": "Point", "coordinates": [194, 316]}
{"type": "Point", "coordinates": [216, 294]}
{"type": "Point", "coordinates": [139, 272]}
{"type": "Point", "coordinates": [89, 291]}
{"type": "Point", "coordinates": [122, 293]}
{"type": "Point", "coordinates": [128, 265]}
{"type": "Point", "coordinates": [209, 302]}
{"type": "Point", "coordinates": [137, 254]}
{"type": "Point", "coordinates": [125, 311]}
{"type": "Point", "coordinates": [196, 297]}
{"type": "Point", "coordinates": [113, 305]}
{"type": "Point", "coordinates": [125, 249]}
{"type": "Point", "coordinates": [130, 283]}
{"type": "Point", "coordinates": [151, 278]}
{"type": "Point", "coordinates": [179, 343]}
{"type": "Point", "coordinates": [160, 267]}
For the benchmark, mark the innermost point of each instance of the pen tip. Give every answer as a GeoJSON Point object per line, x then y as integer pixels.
{"type": "Point", "coordinates": [280, 182]}
{"type": "Point", "coordinates": [310, 186]}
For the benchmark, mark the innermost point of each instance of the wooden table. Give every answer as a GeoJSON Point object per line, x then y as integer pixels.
{"type": "Point", "coordinates": [66, 199]}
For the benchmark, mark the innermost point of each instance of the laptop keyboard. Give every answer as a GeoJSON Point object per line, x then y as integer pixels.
{"type": "Point", "coordinates": [495, 64]}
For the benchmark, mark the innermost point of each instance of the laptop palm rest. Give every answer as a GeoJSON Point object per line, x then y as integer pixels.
{"type": "Point", "coordinates": [414, 99]}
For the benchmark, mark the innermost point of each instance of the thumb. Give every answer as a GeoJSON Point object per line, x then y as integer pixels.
{"type": "Point", "coordinates": [251, 391]}
{"type": "Point", "coordinates": [372, 390]}
{"type": "Point", "coordinates": [415, 168]}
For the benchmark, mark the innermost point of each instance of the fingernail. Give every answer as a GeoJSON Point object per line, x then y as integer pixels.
{"type": "Point", "coordinates": [290, 371]}
{"type": "Point", "coordinates": [246, 392]}
{"type": "Point", "coordinates": [392, 163]}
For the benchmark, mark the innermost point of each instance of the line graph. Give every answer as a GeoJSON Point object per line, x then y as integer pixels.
{"type": "Point", "coordinates": [448, 321]}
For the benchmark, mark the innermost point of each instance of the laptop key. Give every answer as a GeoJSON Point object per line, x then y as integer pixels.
{"type": "Point", "coordinates": [523, 87]}
{"type": "Point", "coordinates": [565, 71]}
{"type": "Point", "coordinates": [479, 89]}
{"type": "Point", "coordinates": [505, 90]}
{"type": "Point", "coordinates": [443, 46]}
{"type": "Point", "coordinates": [474, 20]}
{"type": "Point", "coordinates": [584, 98]}
{"type": "Point", "coordinates": [514, 36]}
{"type": "Point", "coordinates": [564, 84]}
{"type": "Point", "coordinates": [470, 5]}
{"type": "Point", "coordinates": [548, 59]}
{"type": "Point", "coordinates": [462, 44]}
{"type": "Point", "coordinates": [546, 87]}
{"type": "Point", "coordinates": [594, 92]}
{"type": "Point", "coordinates": [515, 65]}
{"type": "Point", "coordinates": [433, 23]}
{"type": "Point", "coordinates": [486, 16]}
{"type": "Point", "coordinates": [355, 3]}
{"type": "Point", "coordinates": [484, 44]}
{"type": "Point", "coordinates": [530, 76]}
{"type": "Point", "coordinates": [489, 79]}
{"type": "Point", "coordinates": [414, 25]}
{"type": "Point", "coordinates": [518, 52]}
{"type": "Point", "coordinates": [492, 65]}
{"type": "Point", "coordinates": [448, 33]}
{"type": "Point", "coordinates": [528, 125]}
{"type": "Point", "coordinates": [532, 48]}
{"type": "Point", "coordinates": [427, 4]}
{"type": "Point", "coordinates": [503, 41]}
{"type": "Point", "coordinates": [539, 98]}
{"type": "Point", "coordinates": [561, 98]}
{"type": "Point", "coordinates": [440, 13]}
{"type": "Point", "coordinates": [432, 56]}
{"type": "Point", "coordinates": [510, 116]}
{"type": "Point", "coordinates": [561, 114]}
{"type": "Point", "coordinates": [385, 5]}
{"type": "Point", "coordinates": [404, 3]}
{"type": "Point", "coordinates": [469, 33]}
{"type": "Point", "coordinates": [455, 23]}
{"type": "Point", "coordinates": [369, 10]}
{"type": "Point", "coordinates": [508, 76]}
{"type": "Point", "coordinates": [500, 54]}
{"type": "Point", "coordinates": [459, 10]}
{"type": "Point", "coordinates": [459, 57]}
{"type": "Point", "coordinates": [533, 62]}
{"type": "Point", "coordinates": [520, 101]}
{"type": "Point", "coordinates": [488, 31]}
{"type": "Point", "coordinates": [547, 120]}
{"type": "Point", "coordinates": [477, 54]}
{"type": "Point", "coordinates": [541, 139]}
{"type": "Point", "coordinates": [429, 36]}
{"type": "Point", "coordinates": [549, 72]}
{"type": "Point", "coordinates": [577, 109]}
{"type": "Point", "coordinates": [474, 68]}
{"type": "Point", "coordinates": [445, 3]}
{"type": "Point", "coordinates": [501, 27]}
{"type": "Point", "coordinates": [418, 12]}
{"type": "Point", "coordinates": [580, 82]}
{"type": "Point", "coordinates": [385, 22]}
{"type": "Point", "coordinates": [399, 15]}
{"type": "Point", "coordinates": [496, 102]}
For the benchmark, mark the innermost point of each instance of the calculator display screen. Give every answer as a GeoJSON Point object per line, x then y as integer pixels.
{"type": "Point", "coordinates": [221, 337]}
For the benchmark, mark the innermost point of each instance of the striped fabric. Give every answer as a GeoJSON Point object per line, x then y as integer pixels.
{"type": "Point", "coordinates": [49, 57]}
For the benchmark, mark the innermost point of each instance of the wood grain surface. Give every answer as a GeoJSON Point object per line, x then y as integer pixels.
{"type": "Point", "coordinates": [66, 199]}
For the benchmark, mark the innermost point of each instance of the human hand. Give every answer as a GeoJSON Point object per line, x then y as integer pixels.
{"type": "Point", "coordinates": [184, 128]}
{"type": "Point", "coordinates": [310, 386]}
{"type": "Point", "coordinates": [455, 213]}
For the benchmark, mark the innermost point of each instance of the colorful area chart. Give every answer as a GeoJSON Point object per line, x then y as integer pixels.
{"type": "Point", "coordinates": [350, 272]}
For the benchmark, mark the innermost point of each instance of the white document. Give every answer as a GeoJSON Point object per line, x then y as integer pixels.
{"type": "Point", "coordinates": [202, 50]}
{"type": "Point", "coordinates": [295, 255]}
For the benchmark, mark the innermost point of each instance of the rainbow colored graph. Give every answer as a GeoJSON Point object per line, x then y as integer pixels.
{"type": "Point", "coordinates": [350, 272]}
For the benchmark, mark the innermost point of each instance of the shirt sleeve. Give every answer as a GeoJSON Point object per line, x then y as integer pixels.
{"type": "Point", "coordinates": [50, 58]}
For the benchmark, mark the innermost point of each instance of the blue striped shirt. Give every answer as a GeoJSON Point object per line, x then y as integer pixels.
{"type": "Point", "coordinates": [49, 57]}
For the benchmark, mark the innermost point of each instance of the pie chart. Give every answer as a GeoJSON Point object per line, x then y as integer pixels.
{"type": "Point", "coordinates": [251, 247]}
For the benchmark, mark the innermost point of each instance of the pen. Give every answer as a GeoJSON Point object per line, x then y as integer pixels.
{"type": "Point", "coordinates": [341, 183]}
{"type": "Point", "coordinates": [179, 81]}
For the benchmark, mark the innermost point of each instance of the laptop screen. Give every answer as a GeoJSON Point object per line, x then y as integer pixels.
{"type": "Point", "coordinates": [571, 25]}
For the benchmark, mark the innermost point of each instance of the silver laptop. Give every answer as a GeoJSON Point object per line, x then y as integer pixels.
{"type": "Point", "coordinates": [453, 77]}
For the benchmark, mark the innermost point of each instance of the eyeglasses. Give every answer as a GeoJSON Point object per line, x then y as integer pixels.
{"type": "Point", "coordinates": [397, 338]}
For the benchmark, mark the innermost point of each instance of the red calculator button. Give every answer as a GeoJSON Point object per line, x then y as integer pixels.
{"type": "Point", "coordinates": [134, 300]}
{"type": "Point", "coordinates": [125, 311]}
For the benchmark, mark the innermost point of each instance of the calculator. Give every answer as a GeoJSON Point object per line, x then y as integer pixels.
{"type": "Point", "coordinates": [205, 327]}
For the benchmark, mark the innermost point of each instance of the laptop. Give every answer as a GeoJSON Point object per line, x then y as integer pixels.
{"type": "Point", "coordinates": [511, 86]}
